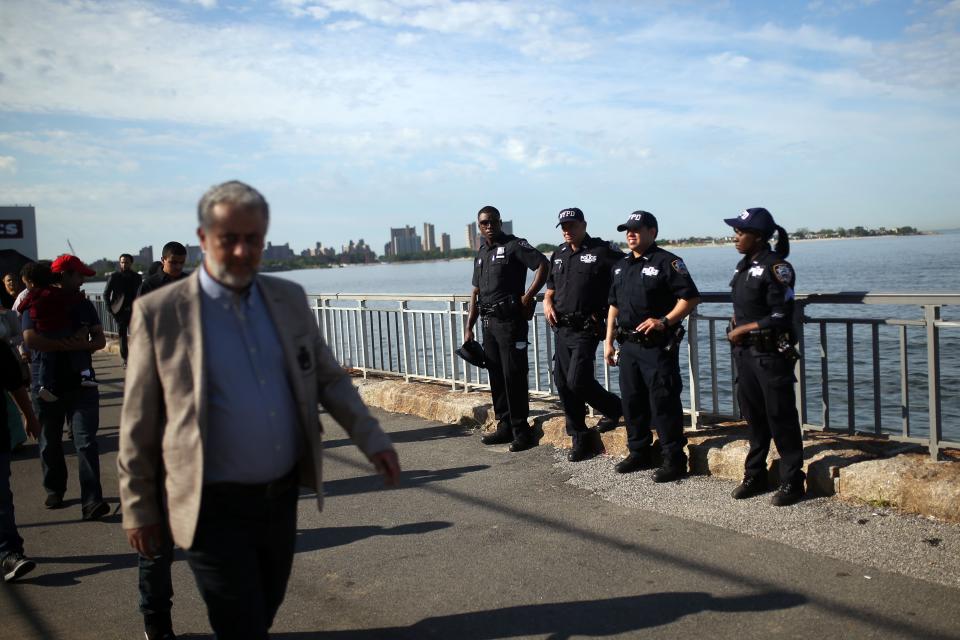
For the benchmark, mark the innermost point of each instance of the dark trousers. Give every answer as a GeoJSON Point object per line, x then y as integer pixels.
{"type": "Point", "coordinates": [10, 540]}
{"type": "Point", "coordinates": [123, 324]}
{"type": "Point", "coordinates": [154, 581]}
{"type": "Point", "coordinates": [505, 348]}
{"type": "Point", "coordinates": [242, 554]}
{"type": "Point", "coordinates": [573, 373]}
{"type": "Point", "coordinates": [769, 405]}
{"type": "Point", "coordinates": [80, 408]}
{"type": "Point", "coordinates": [650, 384]}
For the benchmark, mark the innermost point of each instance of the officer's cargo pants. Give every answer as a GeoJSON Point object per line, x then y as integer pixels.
{"type": "Point", "coordinates": [505, 347]}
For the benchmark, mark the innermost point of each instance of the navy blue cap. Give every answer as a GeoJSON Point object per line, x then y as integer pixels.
{"type": "Point", "coordinates": [756, 219]}
{"type": "Point", "coordinates": [639, 219]}
{"type": "Point", "coordinates": [566, 215]}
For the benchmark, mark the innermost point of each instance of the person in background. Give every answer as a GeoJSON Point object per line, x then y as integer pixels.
{"type": "Point", "coordinates": [173, 258]}
{"type": "Point", "coordinates": [77, 404]}
{"type": "Point", "coordinates": [13, 563]}
{"type": "Point", "coordinates": [8, 293]}
{"type": "Point", "coordinates": [652, 293]}
{"type": "Point", "coordinates": [575, 305]}
{"type": "Point", "coordinates": [119, 294]}
{"type": "Point", "coordinates": [763, 336]}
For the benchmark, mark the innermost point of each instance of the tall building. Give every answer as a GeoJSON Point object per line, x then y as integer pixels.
{"type": "Point", "coordinates": [444, 243]}
{"type": "Point", "coordinates": [402, 242]}
{"type": "Point", "coordinates": [18, 230]}
{"type": "Point", "coordinates": [429, 239]}
{"type": "Point", "coordinates": [145, 257]}
{"type": "Point", "coordinates": [507, 226]}
{"type": "Point", "coordinates": [278, 251]}
{"type": "Point", "coordinates": [472, 236]}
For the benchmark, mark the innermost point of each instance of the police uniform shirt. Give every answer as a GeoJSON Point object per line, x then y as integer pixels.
{"type": "Point", "coordinates": [649, 286]}
{"type": "Point", "coordinates": [763, 291]}
{"type": "Point", "coordinates": [581, 279]}
{"type": "Point", "coordinates": [500, 270]}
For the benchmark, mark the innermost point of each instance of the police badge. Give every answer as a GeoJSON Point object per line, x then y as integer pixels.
{"type": "Point", "coordinates": [784, 273]}
{"type": "Point", "coordinates": [679, 267]}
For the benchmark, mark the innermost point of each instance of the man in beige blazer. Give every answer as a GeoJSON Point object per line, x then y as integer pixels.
{"type": "Point", "coordinates": [225, 373]}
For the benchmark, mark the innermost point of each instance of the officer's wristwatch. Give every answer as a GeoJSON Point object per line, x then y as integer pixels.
{"type": "Point", "coordinates": [666, 321]}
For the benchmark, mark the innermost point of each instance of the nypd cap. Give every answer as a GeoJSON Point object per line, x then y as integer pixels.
{"type": "Point", "coordinates": [639, 219]}
{"type": "Point", "coordinates": [755, 219]}
{"type": "Point", "coordinates": [566, 215]}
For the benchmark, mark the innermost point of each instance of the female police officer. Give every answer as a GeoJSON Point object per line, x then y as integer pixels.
{"type": "Point", "coordinates": [762, 347]}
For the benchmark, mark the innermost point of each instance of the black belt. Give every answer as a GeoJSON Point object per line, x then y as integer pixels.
{"type": "Point", "coordinates": [504, 310]}
{"type": "Point", "coordinates": [576, 321]}
{"type": "Point", "coordinates": [651, 339]}
{"type": "Point", "coordinates": [269, 490]}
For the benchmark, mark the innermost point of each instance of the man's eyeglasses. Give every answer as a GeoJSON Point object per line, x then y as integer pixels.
{"type": "Point", "coordinates": [486, 223]}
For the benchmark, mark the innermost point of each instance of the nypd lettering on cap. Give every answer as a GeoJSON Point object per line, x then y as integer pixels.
{"type": "Point", "coordinates": [744, 215]}
{"type": "Point", "coordinates": [567, 214]}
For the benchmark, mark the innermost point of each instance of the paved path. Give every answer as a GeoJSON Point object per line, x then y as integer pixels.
{"type": "Point", "coordinates": [477, 544]}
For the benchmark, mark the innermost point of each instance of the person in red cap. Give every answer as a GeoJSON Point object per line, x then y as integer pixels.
{"type": "Point", "coordinates": [51, 311]}
{"type": "Point", "coordinates": [63, 327]}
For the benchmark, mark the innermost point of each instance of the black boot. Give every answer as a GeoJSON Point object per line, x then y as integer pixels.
{"type": "Point", "coordinates": [750, 487]}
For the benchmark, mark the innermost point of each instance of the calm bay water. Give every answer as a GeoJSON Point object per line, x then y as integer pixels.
{"type": "Point", "coordinates": [917, 264]}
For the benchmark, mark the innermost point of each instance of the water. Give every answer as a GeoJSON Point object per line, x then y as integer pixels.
{"type": "Point", "coordinates": [917, 264]}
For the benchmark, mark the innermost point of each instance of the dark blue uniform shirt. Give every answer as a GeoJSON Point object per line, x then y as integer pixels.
{"type": "Point", "coordinates": [649, 286]}
{"type": "Point", "coordinates": [763, 291]}
{"type": "Point", "coordinates": [500, 269]}
{"type": "Point", "coordinates": [581, 279]}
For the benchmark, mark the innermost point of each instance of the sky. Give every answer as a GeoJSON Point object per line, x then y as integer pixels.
{"type": "Point", "coordinates": [355, 116]}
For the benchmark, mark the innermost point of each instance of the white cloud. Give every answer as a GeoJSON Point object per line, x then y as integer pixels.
{"type": "Point", "coordinates": [206, 4]}
{"type": "Point", "coordinates": [729, 59]}
{"type": "Point", "coordinates": [534, 156]}
{"type": "Point", "coordinates": [8, 164]}
{"type": "Point", "coordinates": [407, 38]}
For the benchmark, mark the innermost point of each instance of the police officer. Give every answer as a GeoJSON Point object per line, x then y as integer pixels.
{"type": "Point", "coordinates": [499, 273]}
{"type": "Point", "coordinates": [575, 306]}
{"type": "Point", "coordinates": [762, 338]}
{"type": "Point", "coordinates": [651, 294]}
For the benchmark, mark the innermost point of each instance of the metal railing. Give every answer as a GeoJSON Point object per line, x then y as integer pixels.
{"type": "Point", "coordinates": [884, 379]}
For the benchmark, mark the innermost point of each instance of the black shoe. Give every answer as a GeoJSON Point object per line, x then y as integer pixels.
{"type": "Point", "coordinates": [578, 453]}
{"type": "Point", "coordinates": [634, 462]}
{"type": "Point", "coordinates": [158, 627]}
{"type": "Point", "coordinates": [789, 493]}
{"type": "Point", "coordinates": [668, 472]}
{"type": "Point", "coordinates": [95, 511]}
{"type": "Point", "coordinates": [497, 437]}
{"type": "Point", "coordinates": [53, 501]}
{"type": "Point", "coordinates": [606, 423]}
{"type": "Point", "coordinates": [750, 487]}
{"type": "Point", "coordinates": [522, 443]}
{"type": "Point", "coordinates": [16, 565]}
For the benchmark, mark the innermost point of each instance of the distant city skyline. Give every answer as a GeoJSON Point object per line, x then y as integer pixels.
{"type": "Point", "coordinates": [351, 117]}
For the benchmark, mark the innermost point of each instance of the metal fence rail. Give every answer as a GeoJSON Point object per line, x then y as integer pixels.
{"type": "Point", "coordinates": [858, 373]}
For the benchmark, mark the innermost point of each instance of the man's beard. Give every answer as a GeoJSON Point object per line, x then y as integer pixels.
{"type": "Point", "coordinates": [222, 275]}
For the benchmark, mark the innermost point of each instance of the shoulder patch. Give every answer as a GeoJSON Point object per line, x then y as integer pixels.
{"type": "Point", "coordinates": [783, 272]}
{"type": "Point", "coordinates": [679, 267]}
{"type": "Point", "coordinates": [524, 243]}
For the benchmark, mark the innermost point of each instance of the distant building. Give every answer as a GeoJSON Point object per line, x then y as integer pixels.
{"type": "Point", "coordinates": [429, 239]}
{"type": "Point", "coordinates": [403, 241]}
{"type": "Point", "coordinates": [194, 253]}
{"type": "Point", "coordinates": [145, 257]}
{"type": "Point", "coordinates": [507, 226]}
{"type": "Point", "coordinates": [472, 236]}
{"type": "Point", "coordinates": [278, 252]}
{"type": "Point", "coordinates": [444, 243]}
{"type": "Point", "coordinates": [18, 230]}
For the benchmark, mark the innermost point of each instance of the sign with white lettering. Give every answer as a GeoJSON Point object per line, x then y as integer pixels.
{"type": "Point", "coordinates": [10, 229]}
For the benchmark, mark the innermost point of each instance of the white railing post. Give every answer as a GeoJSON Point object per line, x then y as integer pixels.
{"type": "Point", "coordinates": [452, 323]}
{"type": "Point", "coordinates": [404, 339]}
{"type": "Point", "coordinates": [693, 365]}
{"type": "Point", "coordinates": [364, 351]}
{"type": "Point", "coordinates": [931, 315]}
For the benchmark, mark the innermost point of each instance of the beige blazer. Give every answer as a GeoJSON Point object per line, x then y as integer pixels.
{"type": "Point", "coordinates": [164, 417]}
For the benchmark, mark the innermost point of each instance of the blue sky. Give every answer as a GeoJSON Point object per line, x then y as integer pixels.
{"type": "Point", "coordinates": [352, 117]}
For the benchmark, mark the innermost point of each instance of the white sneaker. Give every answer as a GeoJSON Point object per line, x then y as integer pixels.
{"type": "Point", "coordinates": [46, 395]}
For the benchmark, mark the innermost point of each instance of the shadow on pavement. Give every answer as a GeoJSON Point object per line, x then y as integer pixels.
{"type": "Point", "coordinates": [45, 577]}
{"type": "Point", "coordinates": [425, 434]}
{"type": "Point", "coordinates": [408, 480]}
{"type": "Point", "coordinates": [561, 620]}
{"type": "Point", "coordinates": [329, 537]}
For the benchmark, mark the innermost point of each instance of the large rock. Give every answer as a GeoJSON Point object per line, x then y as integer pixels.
{"type": "Point", "coordinates": [911, 482]}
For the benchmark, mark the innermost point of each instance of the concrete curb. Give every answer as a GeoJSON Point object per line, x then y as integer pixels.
{"type": "Point", "coordinates": [853, 468]}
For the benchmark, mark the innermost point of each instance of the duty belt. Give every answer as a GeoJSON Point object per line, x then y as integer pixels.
{"type": "Point", "coordinates": [668, 339]}
{"type": "Point", "coordinates": [771, 341]}
{"type": "Point", "coordinates": [508, 309]}
{"type": "Point", "coordinates": [578, 321]}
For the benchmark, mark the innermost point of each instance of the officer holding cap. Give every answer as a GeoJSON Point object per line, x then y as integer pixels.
{"type": "Point", "coordinates": [652, 293]}
{"type": "Point", "coordinates": [762, 337]}
{"type": "Point", "coordinates": [499, 273]}
{"type": "Point", "coordinates": [575, 305]}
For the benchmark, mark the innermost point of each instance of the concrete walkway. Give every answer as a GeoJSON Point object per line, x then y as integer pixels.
{"type": "Point", "coordinates": [479, 544]}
